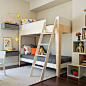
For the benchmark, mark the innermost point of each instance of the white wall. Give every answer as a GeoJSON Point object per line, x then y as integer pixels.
{"type": "Point", "coordinates": [13, 6]}
{"type": "Point", "coordinates": [78, 18]}
{"type": "Point", "coordinates": [64, 10]}
{"type": "Point", "coordinates": [66, 45]}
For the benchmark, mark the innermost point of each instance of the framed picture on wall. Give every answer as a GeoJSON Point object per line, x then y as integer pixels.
{"type": "Point", "coordinates": [7, 43]}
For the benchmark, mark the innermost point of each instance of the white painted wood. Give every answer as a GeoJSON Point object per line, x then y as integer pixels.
{"type": "Point", "coordinates": [2, 57]}
{"type": "Point", "coordinates": [75, 58]}
{"type": "Point", "coordinates": [46, 33]}
{"type": "Point", "coordinates": [64, 21]}
{"type": "Point", "coordinates": [50, 65]}
{"type": "Point", "coordinates": [38, 24]}
{"type": "Point", "coordinates": [70, 67]}
{"type": "Point", "coordinates": [81, 72]}
{"type": "Point", "coordinates": [36, 27]}
{"type": "Point", "coordinates": [41, 55]}
{"type": "Point", "coordinates": [44, 44]}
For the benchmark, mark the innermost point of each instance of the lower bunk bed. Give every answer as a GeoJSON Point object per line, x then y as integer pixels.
{"type": "Point", "coordinates": [65, 60]}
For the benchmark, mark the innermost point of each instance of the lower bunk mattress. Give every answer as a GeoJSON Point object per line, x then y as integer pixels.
{"type": "Point", "coordinates": [52, 58]}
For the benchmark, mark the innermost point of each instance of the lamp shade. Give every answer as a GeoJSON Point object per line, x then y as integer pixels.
{"type": "Point", "coordinates": [18, 15]}
{"type": "Point", "coordinates": [16, 38]}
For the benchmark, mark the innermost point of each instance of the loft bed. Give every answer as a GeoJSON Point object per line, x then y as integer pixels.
{"type": "Point", "coordinates": [63, 26]}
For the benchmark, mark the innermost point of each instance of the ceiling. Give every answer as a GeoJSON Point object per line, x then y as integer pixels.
{"type": "Point", "coordinates": [46, 6]}
{"type": "Point", "coordinates": [50, 5]}
{"type": "Point", "coordinates": [28, 0]}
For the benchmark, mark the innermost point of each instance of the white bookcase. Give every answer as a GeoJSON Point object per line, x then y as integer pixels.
{"type": "Point", "coordinates": [77, 58]}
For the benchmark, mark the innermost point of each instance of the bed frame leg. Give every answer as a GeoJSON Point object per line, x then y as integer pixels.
{"type": "Point", "coordinates": [58, 38]}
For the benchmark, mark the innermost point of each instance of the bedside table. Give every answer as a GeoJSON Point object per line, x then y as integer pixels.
{"type": "Point", "coordinates": [12, 53]}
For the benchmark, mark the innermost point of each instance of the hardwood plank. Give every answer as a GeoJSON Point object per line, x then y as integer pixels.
{"type": "Point", "coordinates": [63, 80]}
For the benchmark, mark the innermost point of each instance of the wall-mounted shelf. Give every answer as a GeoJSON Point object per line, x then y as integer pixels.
{"type": "Point", "coordinates": [8, 26]}
{"type": "Point", "coordinates": [12, 53]}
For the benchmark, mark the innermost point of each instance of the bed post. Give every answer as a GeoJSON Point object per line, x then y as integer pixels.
{"type": "Point", "coordinates": [19, 47]}
{"type": "Point", "coordinates": [37, 39]}
{"type": "Point", "coordinates": [58, 39]}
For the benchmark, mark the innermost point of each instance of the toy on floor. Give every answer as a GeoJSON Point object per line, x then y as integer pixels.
{"type": "Point", "coordinates": [74, 72]}
{"type": "Point", "coordinates": [79, 48]}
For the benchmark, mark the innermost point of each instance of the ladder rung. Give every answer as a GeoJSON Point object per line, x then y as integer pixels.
{"type": "Point", "coordinates": [38, 67]}
{"type": "Point", "coordinates": [44, 44]}
{"type": "Point", "coordinates": [46, 33]}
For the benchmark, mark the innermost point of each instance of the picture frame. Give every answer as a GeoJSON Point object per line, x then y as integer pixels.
{"type": "Point", "coordinates": [7, 43]}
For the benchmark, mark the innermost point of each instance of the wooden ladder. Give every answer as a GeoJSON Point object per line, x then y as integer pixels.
{"type": "Point", "coordinates": [48, 51]}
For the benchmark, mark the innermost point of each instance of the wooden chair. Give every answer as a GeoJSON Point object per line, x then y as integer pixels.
{"type": "Point", "coordinates": [2, 58]}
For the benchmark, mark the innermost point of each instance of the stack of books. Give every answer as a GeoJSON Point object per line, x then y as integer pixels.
{"type": "Point", "coordinates": [83, 63]}
{"type": "Point", "coordinates": [84, 33]}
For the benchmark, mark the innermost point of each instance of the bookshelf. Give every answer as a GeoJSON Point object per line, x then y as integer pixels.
{"type": "Point", "coordinates": [78, 58]}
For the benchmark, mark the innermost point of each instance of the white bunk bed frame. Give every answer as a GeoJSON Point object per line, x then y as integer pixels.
{"type": "Point", "coordinates": [63, 26]}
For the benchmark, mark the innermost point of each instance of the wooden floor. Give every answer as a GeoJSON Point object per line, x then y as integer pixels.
{"type": "Point", "coordinates": [61, 81]}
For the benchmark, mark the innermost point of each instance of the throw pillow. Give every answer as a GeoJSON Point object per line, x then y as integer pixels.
{"type": "Point", "coordinates": [27, 49]}
{"type": "Point", "coordinates": [33, 51]}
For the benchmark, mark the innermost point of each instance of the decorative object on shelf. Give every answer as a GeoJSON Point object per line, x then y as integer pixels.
{"type": "Point", "coordinates": [7, 20]}
{"type": "Point", "coordinates": [83, 62]}
{"type": "Point", "coordinates": [83, 33]}
{"type": "Point", "coordinates": [85, 16]}
{"type": "Point", "coordinates": [14, 49]}
{"type": "Point", "coordinates": [74, 72]}
{"type": "Point", "coordinates": [79, 48]}
{"type": "Point", "coordinates": [7, 43]}
{"type": "Point", "coordinates": [78, 34]}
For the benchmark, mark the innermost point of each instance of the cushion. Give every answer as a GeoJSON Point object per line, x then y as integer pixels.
{"type": "Point", "coordinates": [33, 51]}
{"type": "Point", "coordinates": [27, 49]}
{"type": "Point", "coordinates": [27, 21]}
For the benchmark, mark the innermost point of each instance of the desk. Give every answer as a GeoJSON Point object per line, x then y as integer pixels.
{"type": "Point", "coordinates": [12, 53]}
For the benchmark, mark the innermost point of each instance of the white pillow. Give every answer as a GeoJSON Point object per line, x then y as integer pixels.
{"type": "Point", "coordinates": [27, 49]}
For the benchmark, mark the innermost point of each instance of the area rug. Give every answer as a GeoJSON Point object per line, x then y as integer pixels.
{"type": "Point", "coordinates": [20, 76]}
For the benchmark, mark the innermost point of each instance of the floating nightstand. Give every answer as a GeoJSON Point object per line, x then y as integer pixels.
{"type": "Point", "coordinates": [9, 26]}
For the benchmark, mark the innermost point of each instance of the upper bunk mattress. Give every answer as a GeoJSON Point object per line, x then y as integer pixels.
{"type": "Point", "coordinates": [52, 58]}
